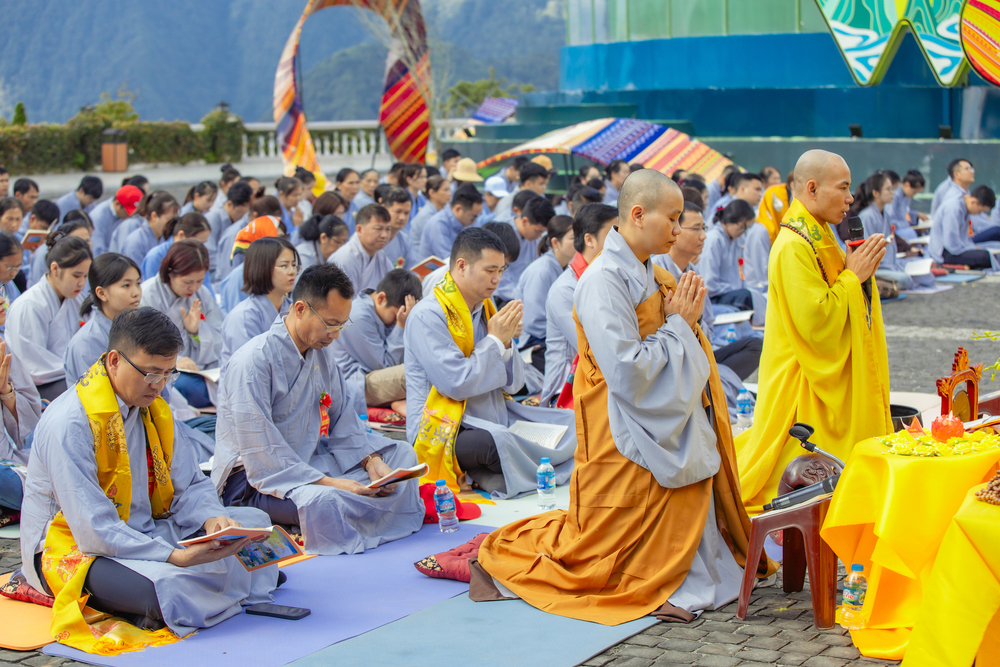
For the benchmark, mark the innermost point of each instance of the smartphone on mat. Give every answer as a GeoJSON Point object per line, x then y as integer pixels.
{"type": "Point", "coordinates": [278, 611]}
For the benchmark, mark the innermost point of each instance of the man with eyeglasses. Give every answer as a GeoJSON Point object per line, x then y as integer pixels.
{"type": "Point", "coordinates": [362, 258]}
{"type": "Point", "coordinates": [288, 437]}
{"type": "Point", "coordinates": [110, 477]}
{"type": "Point", "coordinates": [460, 360]}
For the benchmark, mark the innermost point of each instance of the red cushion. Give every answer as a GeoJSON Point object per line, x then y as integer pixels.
{"type": "Point", "coordinates": [453, 564]}
{"type": "Point", "coordinates": [17, 588]}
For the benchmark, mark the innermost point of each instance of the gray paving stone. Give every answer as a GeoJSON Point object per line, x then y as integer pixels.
{"type": "Point", "coordinates": [792, 659]}
{"type": "Point", "coordinates": [724, 638]}
{"type": "Point", "coordinates": [717, 661]}
{"type": "Point", "coordinates": [639, 651]}
{"type": "Point", "coordinates": [797, 635]}
{"type": "Point", "coordinates": [805, 648]}
{"type": "Point", "coordinates": [846, 652]}
{"type": "Point", "coordinates": [771, 643]}
{"type": "Point", "coordinates": [790, 624]}
{"type": "Point", "coordinates": [720, 649]}
{"type": "Point", "coordinates": [599, 660]}
{"type": "Point", "coordinates": [758, 630]}
{"type": "Point", "coordinates": [716, 626]}
{"type": "Point", "coordinates": [684, 645]}
{"type": "Point", "coordinates": [627, 661]}
{"type": "Point", "coordinates": [754, 663]}
{"type": "Point", "coordinates": [676, 657]}
{"type": "Point", "coordinates": [682, 632]}
{"type": "Point", "coordinates": [14, 656]}
{"type": "Point", "coordinates": [758, 655]}
{"type": "Point", "coordinates": [822, 661]}
{"type": "Point", "coordinates": [718, 615]}
{"type": "Point", "coordinates": [659, 629]}
{"type": "Point", "coordinates": [838, 640]}
{"type": "Point", "coordinates": [643, 640]}
{"type": "Point", "coordinates": [43, 661]}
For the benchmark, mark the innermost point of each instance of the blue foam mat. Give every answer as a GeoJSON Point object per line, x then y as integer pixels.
{"type": "Point", "coordinates": [348, 596]}
{"type": "Point", "coordinates": [959, 278]}
{"type": "Point", "coordinates": [458, 631]}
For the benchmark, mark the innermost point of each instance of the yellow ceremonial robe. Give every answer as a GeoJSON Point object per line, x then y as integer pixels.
{"type": "Point", "coordinates": [773, 206]}
{"type": "Point", "coordinates": [824, 360]}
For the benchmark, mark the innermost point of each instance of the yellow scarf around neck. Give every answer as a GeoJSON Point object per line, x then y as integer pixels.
{"type": "Point", "coordinates": [435, 441]}
{"type": "Point", "coordinates": [827, 250]}
{"type": "Point", "coordinates": [63, 565]}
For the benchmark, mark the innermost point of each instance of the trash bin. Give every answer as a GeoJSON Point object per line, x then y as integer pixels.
{"type": "Point", "coordinates": [114, 150]}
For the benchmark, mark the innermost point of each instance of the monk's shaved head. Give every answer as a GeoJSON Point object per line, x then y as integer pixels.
{"type": "Point", "coordinates": [823, 185]}
{"type": "Point", "coordinates": [817, 165]}
{"type": "Point", "coordinates": [646, 188]}
{"type": "Point", "coordinates": [650, 205]}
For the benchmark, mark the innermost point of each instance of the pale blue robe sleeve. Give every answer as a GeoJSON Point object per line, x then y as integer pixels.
{"type": "Point", "coordinates": [348, 441]}
{"type": "Point", "coordinates": [272, 465]}
{"type": "Point", "coordinates": [27, 334]}
{"type": "Point", "coordinates": [195, 498]}
{"type": "Point", "coordinates": [206, 350]}
{"type": "Point", "coordinates": [27, 405]}
{"type": "Point", "coordinates": [365, 347]}
{"type": "Point", "coordinates": [710, 266]}
{"type": "Point", "coordinates": [654, 385]}
{"type": "Point", "coordinates": [435, 241]}
{"type": "Point", "coordinates": [64, 451]}
{"type": "Point", "coordinates": [756, 253]}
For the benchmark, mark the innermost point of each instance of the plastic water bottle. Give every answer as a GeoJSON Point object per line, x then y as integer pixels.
{"type": "Point", "coordinates": [444, 503]}
{"type": "Point", "coordinates": [546, 481]}
{"type": "Point", "coordinates": [731, 336]}
{"type": "Point", "coordinates": [744, 412]}
{"type": "Point", "coordinates": [365, 424]}
{"type": "Point", "coordinates": [855, 587]}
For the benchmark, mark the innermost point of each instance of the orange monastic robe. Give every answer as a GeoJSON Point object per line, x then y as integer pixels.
{"type": "Point", "coordinates": [627, 543]}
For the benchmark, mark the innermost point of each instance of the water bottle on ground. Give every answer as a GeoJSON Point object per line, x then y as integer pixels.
{"type": "Point", "coordinates": [855, 587]}
{"type": "Point", "coordinates": [546, 482]}
{"type": "Point", "coordinates": [730, 336]}
{"type": "Point", "coordinates": [744, 412]}
{"type": "Point", "coordinates": [444, 503]}
{"type": "Point", "coordinates": [365, 424]}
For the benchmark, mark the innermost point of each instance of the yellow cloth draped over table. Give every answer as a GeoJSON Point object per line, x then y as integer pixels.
{"type": "Point", "coordinates": [773, 206]}
{"type": "Point", "coordinates": [890, 513]}
{"type": "Point", "coordinates": [626, 543]}
{"type": "Point", "coordinates": [63, 566]}
{"type": "Point", "coordinates": [962, 611]}
{"type": "Point", "coordinates": [824, 360]}
{"type": "Point", "coordinates": [435, 441]}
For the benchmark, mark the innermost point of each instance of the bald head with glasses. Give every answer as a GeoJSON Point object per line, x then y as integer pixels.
{"type": "Point", "coordinates": [321, 307]}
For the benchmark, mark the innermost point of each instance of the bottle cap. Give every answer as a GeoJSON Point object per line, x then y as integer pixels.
{"type": "Point", "coordinates": [743, 390]}
{"type": "Point", "coordinates": [545, 459]}
{"type": "Point", "coordinates": [857, 567]}
{"type": "Point", "coordinates": [363, 417]}
{"type": "Point", "coordinates": [441, 482]}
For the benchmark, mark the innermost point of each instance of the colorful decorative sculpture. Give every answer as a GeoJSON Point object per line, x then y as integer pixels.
{"type": "Point", "coordinates": [981, 37]}
{"type": "Point", "coordinates": [403, 114]}
{"type": "Point", "coordinates": [868, 32]}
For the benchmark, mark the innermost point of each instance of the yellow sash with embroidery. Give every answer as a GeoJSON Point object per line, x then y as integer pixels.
{"type": "Point", "coordinates": [63, 566]}
{"type": "Point", "coordinates": [435, 442]}
{"type": "Point", "coordinates": [827, 250]}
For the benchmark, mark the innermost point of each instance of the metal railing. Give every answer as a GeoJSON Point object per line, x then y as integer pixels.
{"type": "Point", "coordinates": [339, 137]}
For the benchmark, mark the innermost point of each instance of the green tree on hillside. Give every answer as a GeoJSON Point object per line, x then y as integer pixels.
{"type": "Point", "coordinates": [20, 117]}
{"type": "Point", "coordinates": [465, 96]}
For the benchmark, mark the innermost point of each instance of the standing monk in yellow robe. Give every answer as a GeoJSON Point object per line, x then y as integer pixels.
{"type": "Point", "coordinates": [655, 523]}
{"type": "Point", "coordinates": [824, 360]}
{"type": "Point", "coordinates": [774, 205]}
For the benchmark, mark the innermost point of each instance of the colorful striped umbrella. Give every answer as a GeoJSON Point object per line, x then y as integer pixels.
{"type": "Point", "coordinates": [403, 115]}
{"type": "Point", "coordinates": [650, 144]}
{"type": "Point", "coordinates": [981, 37]}
{"type": "Point", "coordinates": [494, 110]}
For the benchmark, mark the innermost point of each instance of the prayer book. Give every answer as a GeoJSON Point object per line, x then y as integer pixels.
{"type": "Point", "coordinates": [270, 545]}
{"type": "Point", "coordinates": [212, 374]}
{"type": "Point", "coordinates": [428, 266]}
{"type": "Point", "coordinates": [400, 474]}
{"type": "Point", "coordinates": [920, 240]}
{"type": "Point", "coordinates": [919, 267]}
{"type": "Point", "coordinates": [33, 239]}
{"type": "Point", "coordinates": [733, 318]}
{"type": "Point", "coordinates": [546, 435]}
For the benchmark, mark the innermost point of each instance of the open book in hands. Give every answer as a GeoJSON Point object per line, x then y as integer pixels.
{"type": "Point", "coordinates": [269, 546]}
{"type": "Point", "coordinates": [400, 474]}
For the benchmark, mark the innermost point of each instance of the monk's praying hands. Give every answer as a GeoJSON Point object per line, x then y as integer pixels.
{"type": "Point", "coordinates": [688, 300]}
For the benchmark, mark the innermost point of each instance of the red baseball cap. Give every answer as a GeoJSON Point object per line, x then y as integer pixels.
{"type": "Point", "coordinates": [463, 511]}
{"type": "Point", "coordinates": [128, 196]}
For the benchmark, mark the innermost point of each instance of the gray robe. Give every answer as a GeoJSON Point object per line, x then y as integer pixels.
{"type": "Point", "coordinates": [364, 271]}
{"type": "Point", "coordinates": [655, 402]}
{"type": "Point", "coordinates": [269, 421]}
{"type": "Point", "coordinates": [206, 350]}
{"type": "Point", "coordinates": [433, 358]}
{"type": "Point", "coordinates": [368, 345]}
{"type": "Point", "coordinates": [62, 475]}
{"type": "Point", "coordinates": [17, 428]}
{"type": "Point", "coordinates": [251, 317]}
{"type": "Point", "coordinates": [38, 329]}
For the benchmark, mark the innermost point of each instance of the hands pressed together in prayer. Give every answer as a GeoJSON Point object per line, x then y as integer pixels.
{"type": "Point", "coordinates": [688, 300]}
{"type": "Point", "coordinates": [863, 261]}
{"type": "Point", "coordinates": [192, 318]}
{"type": "Point", "coordinates": [404, 311]}
{"type": "Point", "coordinates": [6, 387]}
{"type": "Point", "coordinates": [506, 324]}
{"type": "Point", "coordinates": [209, 552]}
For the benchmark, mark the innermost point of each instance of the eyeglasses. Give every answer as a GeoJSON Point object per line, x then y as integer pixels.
{"type": "Point", "coordinates": [152, 378]}
{"type": "Point", "coordinates": [289, 268]}
{"type": "Point", "coordinates": [11, 269]}
{"type": "Point", "coordinates": [330, 328]}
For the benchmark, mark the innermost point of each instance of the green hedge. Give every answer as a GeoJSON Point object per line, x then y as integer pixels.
{"type": "Point", "coordinates": [36, 149]}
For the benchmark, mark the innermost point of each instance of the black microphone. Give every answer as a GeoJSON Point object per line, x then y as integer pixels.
{"type": "Point", "coordinates": [856, 229]}
{"type": "Point", "coordinates": [805, 493]}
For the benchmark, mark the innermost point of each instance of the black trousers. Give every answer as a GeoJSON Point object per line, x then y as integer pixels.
{"type": "Point", "coordinates": [477, 455]}
{"type": "Point", "coordinates": [740, 298]}
{"type": "Point", "coordinates": [974, 259]}
{"type": "Point", "coordinates": [50, 391]}
{"type": "Point", "coordinates": [115, 589]}
{"type": "Point", "coordinates": [742, 356]}
{"type": "Point", "coordinates": [238, 492]}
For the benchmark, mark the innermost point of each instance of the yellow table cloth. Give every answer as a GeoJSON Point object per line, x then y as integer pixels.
{"type": "Point", "coordinates": [961, 612]}
{"type": "Point", "coordinates": [889, 514]}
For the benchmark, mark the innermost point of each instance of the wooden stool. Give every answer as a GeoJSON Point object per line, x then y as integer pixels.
{"type": "Point", "coordinates": [802, 546]}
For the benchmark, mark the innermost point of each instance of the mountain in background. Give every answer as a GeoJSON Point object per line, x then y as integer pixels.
{"type": "Point", "coordinates": [182, 57]}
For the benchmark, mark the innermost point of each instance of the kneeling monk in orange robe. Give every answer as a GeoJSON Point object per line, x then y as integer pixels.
{"type": "Point", "coordinates": [655, 523]}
